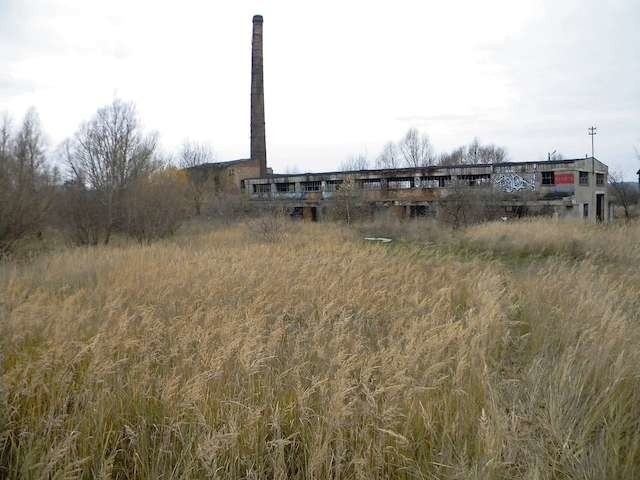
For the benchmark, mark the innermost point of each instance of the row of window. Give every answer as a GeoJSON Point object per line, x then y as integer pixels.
{"type": "Point", "coordinates": [555, 178]}
{"type": "Point", "coordinates": [440, 181]}
{"type": "Point", "coordinates": [367, 184]}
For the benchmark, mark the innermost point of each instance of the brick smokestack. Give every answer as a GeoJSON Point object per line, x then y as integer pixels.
{"type": "Point", "coordinates": [258, 139]}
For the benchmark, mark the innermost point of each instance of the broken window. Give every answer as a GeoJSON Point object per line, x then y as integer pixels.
{"type": "Point", "coordinates": [476, 179]}
{"type": "Point", "coordinates": [400, 183]}
{"type": "Point", "coordinates": [418, 211]}
{"type": "Point", "coordinates": [548, 178]}
{"type": "Point", "coordinates": [584, 178]}
{"type": "Point", "coordinates": [332, 185]}
{"type": "Point", "coordinates": [313, 186]}
{"type": "Point", "coordinates": [439, 181]}
{"type": "Point", "coordinates": [286, 187]}
{"type": "Point", "coordinates": [371, 184]}
{"type": "Point", "coordinates": [261, 188]}
{"type": "Point", "coordinates": [599, 178]}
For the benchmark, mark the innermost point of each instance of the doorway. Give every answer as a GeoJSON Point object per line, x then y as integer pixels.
{"type": "Point", "coordinates": [600, 207]}
{"type": "Point", "coordinates": [310, 214]}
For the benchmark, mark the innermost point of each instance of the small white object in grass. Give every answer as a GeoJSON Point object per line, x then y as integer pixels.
{"type": "Point", "coordinates": [379, 239]}
{"type": "Point", "coordinates": [504, 219]}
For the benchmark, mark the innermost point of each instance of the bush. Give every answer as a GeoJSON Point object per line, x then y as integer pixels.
{"type": "Point", "coordinates": [156, 206]}
{"type": "Point", "coordinates": [463, 205]}
{"type": "Point", "coordinates": [270, 227]}
{"type": "Point", "coordinates": [80, 215]}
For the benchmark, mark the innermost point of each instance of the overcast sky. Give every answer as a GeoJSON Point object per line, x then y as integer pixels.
{"type": "Point", "coordinates": [341, 77]}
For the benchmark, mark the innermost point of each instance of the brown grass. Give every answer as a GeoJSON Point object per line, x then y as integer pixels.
{"type": "Point", "coordinates": [219, 355]}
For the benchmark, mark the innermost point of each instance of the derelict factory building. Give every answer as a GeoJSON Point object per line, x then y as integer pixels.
{"type": "Point", "coordinates": [565, 188]}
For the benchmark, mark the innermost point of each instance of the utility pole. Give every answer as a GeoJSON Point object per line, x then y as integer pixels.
{"type": "Point", "coordinates": [593, 132]}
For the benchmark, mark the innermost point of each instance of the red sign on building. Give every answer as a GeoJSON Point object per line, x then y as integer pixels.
{"type": "Point", "coordinates": [564, 178]}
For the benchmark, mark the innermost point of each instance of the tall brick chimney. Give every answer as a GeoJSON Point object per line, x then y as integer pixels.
{"type": "Point", "coordinates": [258, 139]}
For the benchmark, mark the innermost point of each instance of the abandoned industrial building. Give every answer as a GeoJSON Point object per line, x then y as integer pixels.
{"type": "Point", "coordinates": [574, 188]}
{"type": "Point", "coordinates": [565, 188]}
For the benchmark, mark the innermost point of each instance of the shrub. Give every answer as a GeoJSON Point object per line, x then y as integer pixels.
{"type": "Point", "coordinates": [80, 214]}
{"type": "Point", "coordinates": [155, 206]}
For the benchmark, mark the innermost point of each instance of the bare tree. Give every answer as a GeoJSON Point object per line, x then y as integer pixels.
{"type": "Point", "coordinates": [347, 198]}
{"type": "Point", "coordinates": [624, 193]}
{"type": "Point", "coordinates": [389, 157]}
{"type": "Point", "coordinates": [473, 154]}
{"type": "Point", "coordinates": [416, 149]}
{"type": "Point", "coordinates": [5, 140]}
{"type": "Point", "coordinates": [193, 158]}
{"type": "Point", "coordinates": [455, 157]}
{"type": "Point", "coordinates": [26, 185]}
{"type": "Point", "coordinates": [194, 154]}
{"type": "Point", "coordinates": [109, 154]}
{"type": "Point", "coordinates": [492, 154]}
{"type": "Point", "coordinates": [476, 153]}
{"type": "Point", "coordinates": [463, 205]}
{"type": "Point", "coordinates": [355, 163]}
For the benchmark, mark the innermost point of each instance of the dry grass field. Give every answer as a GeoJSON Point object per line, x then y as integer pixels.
{"type": "Point", "coordinates": [507, 350]}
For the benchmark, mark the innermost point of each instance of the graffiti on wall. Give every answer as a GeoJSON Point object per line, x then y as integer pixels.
{"type": "Point", "coordinates": [563, 179]}
{"type": "Point", "coordinates": [512, 182]}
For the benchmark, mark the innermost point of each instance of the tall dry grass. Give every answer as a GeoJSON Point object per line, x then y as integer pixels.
{"type": "Point", "coordinates": [613, 243]}
{"type": "Point", "coordinates": [219, 355]}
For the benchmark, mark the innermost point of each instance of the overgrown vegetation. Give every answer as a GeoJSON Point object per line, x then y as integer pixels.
{"type": "Point", "coordinates": [26, 184]}
{"type": "Point", "coordinates": [316, 355]}
{"type": "Point", "coordinates": [114, 180]}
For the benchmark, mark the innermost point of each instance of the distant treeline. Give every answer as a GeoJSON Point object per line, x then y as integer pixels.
{"type": "Point", "coordinates": [415, 150]}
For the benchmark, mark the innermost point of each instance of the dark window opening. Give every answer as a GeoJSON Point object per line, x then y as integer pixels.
{"type": "Point", "coordinates": [261, 188]}
{"type": "Point", "coordinates": [418, 211]}
{"type": "Point", "coordinates": [332, 185]}
{"type": "Point", "coordinates": [474, 180]}
{"type": "Point", "coordinates": [585, 210]}
{"type": "Point", "coordinates": [400, 183]}
{"type": "Point", "coordinates": [599, 178]}
{"type": "Point", "coordinates": [311, 186]}
{"type": "Point", "coordinates": [285, 187]}
{"type": "Point", "coordinates": [434, 181]}
{"type": "Point", "coordinates": [371, 184]}
{"type": "Point", "coordinates": [548, 178]}
{"type": "Point", "coordinates": [520, 211]}
{"type": "Point", "coordinates": [584, 178]}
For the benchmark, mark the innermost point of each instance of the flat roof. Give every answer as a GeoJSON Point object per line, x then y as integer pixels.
{"type": "Point", "coordinates": [413, 169]}
{"type": "Point", "coordinates": [225, 164]}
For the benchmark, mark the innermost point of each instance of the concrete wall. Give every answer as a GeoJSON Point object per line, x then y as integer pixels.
{"type": "Point", "coordinates": [242, 171]}
{"type": "Point", "coordinates": [553, 185]}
